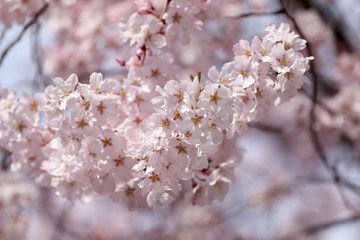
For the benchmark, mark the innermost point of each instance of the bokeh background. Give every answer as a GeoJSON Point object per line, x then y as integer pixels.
{"type": "Point", "coordinates": [283, 189]}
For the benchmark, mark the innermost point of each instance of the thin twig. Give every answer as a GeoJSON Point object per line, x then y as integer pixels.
{"type": "Point", "coordinates": [143, 58]}
{"type": "Point", "coordinates": [165, 8]}
{"type": "Point", "coordinates": [26, 26]}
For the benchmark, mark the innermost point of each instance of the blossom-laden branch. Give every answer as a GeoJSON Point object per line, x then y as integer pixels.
{"type": "Point", "coordinates": [31, 22]}
{"type": "Point", "coordinates": [136, 141]}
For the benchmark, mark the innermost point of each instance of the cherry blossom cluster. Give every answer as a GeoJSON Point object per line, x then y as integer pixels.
{"type": "Point", "coordinates": [150, 136]}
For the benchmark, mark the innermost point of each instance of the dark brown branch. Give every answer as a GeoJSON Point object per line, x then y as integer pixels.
{"type": "Point", "coordinates": [280, 11]}
{"type": "Point", "coordinates": [26, 27]}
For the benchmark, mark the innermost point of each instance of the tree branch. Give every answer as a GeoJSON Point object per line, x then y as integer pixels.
{"type": "Point", "coordinates": [312, 129]}
{"type": "Point", "coordinates": [250, 14]}
{"type": "Point", "coordinates": [315, 229]}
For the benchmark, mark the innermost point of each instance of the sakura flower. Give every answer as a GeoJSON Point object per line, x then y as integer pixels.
{"type": "Point", "coordinates": [282, 61]}
{"type": "Point", "coordinates": [65, 87]}
{"type": "Point", "coordinates": [132, 193]}
{"type": "Point", "coordinates": [91, 153]}
{"type": "Point", "coordinates": [32, 105]}
{"type": "Point", "coordinates": [143, 30]}
{"type": "Point", "coordinates": [103, 108]}
{"type": "Point", "coordinates": [99, 85]}
{"type": "Point", "coordinates": [246, 74]}
{"type": "Point", "coordinates": [290, 40]}
{"type": "Point", "coordinates": [180, 23]}
{"type": "Point", "coordinates": [130, 29]}
{"type": "Point", "coordinates": [157, 191]}
{"type": "Point", "coordinates": [242, 48]}
{"type": "Point", "coordinates": [8, 102]}
{"type": "Point", "coordinates": [158, 70]}
{"type": "Point", "coordinates": [262, 48]}
{"type": "Point", "coordinates": [119, 164]}
{"type": "Point", "coordinates": [226, 75]}
{"type": "Point", "coordinates": [294, 77]}
{"type": "Point", "coordinates": [158, 124]}
{"type": "Point", "coordinates": [152, 36]}
{"type": "Point", "coordinates": [102, 183]}
{"type": "Point", "coordinates": [215, 97]}
{"type": "Point", "coordinates": [186, 155]}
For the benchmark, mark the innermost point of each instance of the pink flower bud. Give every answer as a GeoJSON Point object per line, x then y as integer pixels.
{"type": "Point", "coordinates": [121, 61]}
